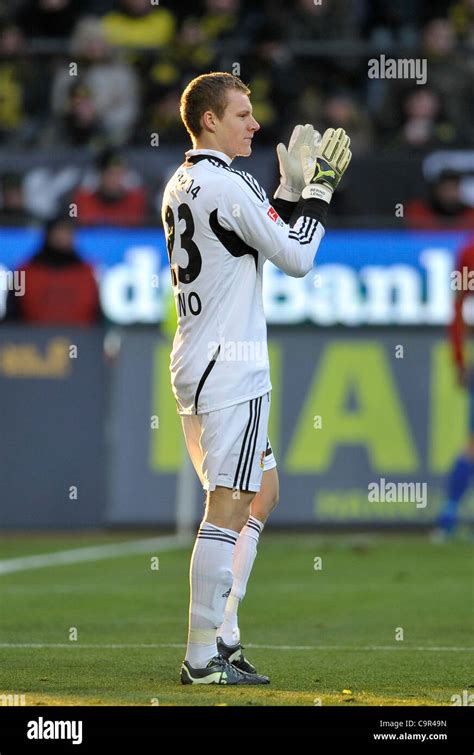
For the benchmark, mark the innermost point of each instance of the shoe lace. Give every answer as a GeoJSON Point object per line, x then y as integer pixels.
{"type": "Point", "coordinates": [229, 667]}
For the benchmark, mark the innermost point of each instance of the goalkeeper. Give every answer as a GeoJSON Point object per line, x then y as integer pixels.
{"type": "Point", "coordinates": [220, 229]}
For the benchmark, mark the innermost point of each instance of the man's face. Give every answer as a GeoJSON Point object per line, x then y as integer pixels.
{"type": "Point", "coordinates": [137, 7]}
{"type": "Point", "coordinates": [61, 236]}
{"type": "Point", "coordinates": [448, 192]}
{"type": "Point", "coordinates": [112, 179]}
{"type": "Point", "coordinates": [234, 132]}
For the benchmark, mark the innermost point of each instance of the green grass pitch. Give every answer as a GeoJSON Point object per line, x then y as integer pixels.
{"type": "Point", "coordinates": [324, 635]}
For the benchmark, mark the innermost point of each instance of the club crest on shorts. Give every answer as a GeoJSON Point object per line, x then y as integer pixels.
{"type": "Point", "coordinates": [262, 460]}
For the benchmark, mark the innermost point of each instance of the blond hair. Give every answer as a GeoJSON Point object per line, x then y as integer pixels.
{"type": "Point", "coordinates": [207, 92]}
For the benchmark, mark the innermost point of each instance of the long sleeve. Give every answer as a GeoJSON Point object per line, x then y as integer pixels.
{"type": "Point", "coordinates": [284, 208]}
{"type": "Point", "coordinates": [292, 246]}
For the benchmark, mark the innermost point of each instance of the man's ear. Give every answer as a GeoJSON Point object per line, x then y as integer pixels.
{"type": "Point", "coordinates": [208, 121]}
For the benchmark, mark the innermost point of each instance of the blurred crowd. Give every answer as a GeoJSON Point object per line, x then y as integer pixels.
{"type": "Point", "coordinates": [110, 72]}
{"type": "Point", "coordinates": [107, 75]}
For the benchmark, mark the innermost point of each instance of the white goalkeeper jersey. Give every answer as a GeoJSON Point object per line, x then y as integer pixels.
{"type": "Point", "coordinates": [220, 228]}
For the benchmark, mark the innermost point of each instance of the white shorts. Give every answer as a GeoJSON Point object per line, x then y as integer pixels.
{"type": "Point", "coordinates": [230, 446]}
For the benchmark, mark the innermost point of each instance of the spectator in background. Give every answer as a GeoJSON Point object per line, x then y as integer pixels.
{"type": "Point", "coordinates": [113, 85]}
{"type": "Point", "coordinates": [194, 51]}
{"type": "Point", "coordinates": [271, 77]}
{"type": "Point", "coordinates": [60, 288]}
{"type": "Point", "coordinates": [448, 70]}
{"type": "Point", "coordinates": [309, 105]}
{"type": "Point", "coordinates": [461, 15]}
{"type": "Point", "coordinates": [328, 20]}
{"type": "Point", "coordinates": [80, 124]}
{"type": "Point", "coordinates": [12, 200]}
{"type": "Point", "coordinates": [164, 117]}
{"type": "Point", "coordinates": [24, 89]}
{"type": "Point", "coordinates": [327, 27]}
{"type": "Point", "coordinates": [341, 110]}
{"type": "Point", "coordinates": [137, 23]}
{"type": "Point", "coordinates": [436, 114]}
{"type": "Point", "coordinates": [161, 81]}
{"type": "Point", "coordinates": [444, 208]}
{"type": "Point", "coordinates": [223, 20]}
{"type": "Point", "coordinates": [12, 110]}
{"type": "Point", "coordinates": [194, 48]}
{"type": "Point", "coordinates": [425, 123]}
{"type": "Point", "coordinates": [48, 18]}
{"type": "Point", "coordinates": [210, 40]}
{"type": "Point", "coordinates": [115, 199]}
{"type": "Point", "coordinates": [387, 22]}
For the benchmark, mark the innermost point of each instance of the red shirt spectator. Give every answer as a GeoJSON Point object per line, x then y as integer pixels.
{"type": "Point", "coordinates": [419, 214]}
{"type": "Point", "coordinates": [60, 288]}
{"type": "Point", "coordinates": [113, 202]}
{"type": "Point", "coordinates": [444, 210]}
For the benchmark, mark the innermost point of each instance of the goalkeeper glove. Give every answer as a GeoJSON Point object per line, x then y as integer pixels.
{"type": "Point", "coordinates": [292, 180]}
{"type": "Point", "coordinates": [324, 170]}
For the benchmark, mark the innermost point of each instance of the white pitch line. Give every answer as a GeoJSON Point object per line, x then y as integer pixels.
{"type": "Point", "coordinates": [365, 648]}
{"type": "Point", "coordinates": [152, 645]}
{"type": "Point", "coordinates": [124, 646]}
{"type": "Point", "coordinates": [92, 553]}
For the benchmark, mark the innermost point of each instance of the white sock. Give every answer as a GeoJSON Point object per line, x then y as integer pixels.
{"type": "Point", "coordinates": [244, 556]}
{"type": "Point", "coordinates": [210, 578]}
